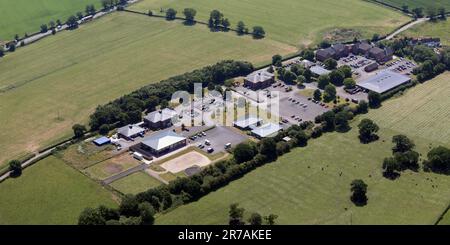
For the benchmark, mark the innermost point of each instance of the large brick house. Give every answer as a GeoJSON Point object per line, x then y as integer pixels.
{"type": "Point", "coordinates": [259, 80]}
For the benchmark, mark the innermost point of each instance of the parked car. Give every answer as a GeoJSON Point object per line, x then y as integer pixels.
{"type": "Point", "coordinates": [210, 150]}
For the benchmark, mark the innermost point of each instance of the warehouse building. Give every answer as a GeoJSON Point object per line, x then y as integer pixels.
{"type": "Point", "coordinates": [384, 81]}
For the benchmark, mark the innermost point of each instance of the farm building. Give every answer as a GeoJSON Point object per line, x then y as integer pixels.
{"type": "Point", "coordinates": [259, 80]}
{"type": "Point", "coordinates": [160, 119]}
{"type": "Point", "coordinates": [102, 141]}
{"type": "Point", "coordinates": [130, 131]}
{"type": "Point", "coordinates": [384, 81]}
{"type": "Point", "coordinates": [318, 71]}
{"type": "Point", "coordinates": [246, 123]}
{"type": "Point", "coordinates": [160, 143]}
{"type": "Point", "coordinates": [266, 130]}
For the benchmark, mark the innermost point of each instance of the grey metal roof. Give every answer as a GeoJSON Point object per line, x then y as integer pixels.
{"type": "Point", "coordinates": [266, 130]}
{"type": "Point", "coordinates": [160, 115]}
{"type": "Point", "coordinates": [259, 76]}
{"type": "Point", "coordinates": [319, 70]}
{"type": "Point", "coordinates": [130, 130]}
{"type": "Point", "coordinates": [384, 81]}
{"type": "Point", "coordinates": [162, 139]}
{"type": "Point", "coordinates": [246, 122]}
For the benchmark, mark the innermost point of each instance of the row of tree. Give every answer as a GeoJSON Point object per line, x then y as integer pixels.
{"type": "Point", "coordinates": [431, 12]}
{"type": "Point", "coordinates": [128, 109]}
{"type": "Point", "coordinates": [130, 212]}
{"type": "Point", "coordinates": [216, 21]}
{"type": "Point", "coordinates": [236, 217]}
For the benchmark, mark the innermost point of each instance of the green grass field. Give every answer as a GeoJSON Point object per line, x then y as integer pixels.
{"type": "Point", "coordinates": [305, 186]}
{"type": "Point", "coordinates": [439, 29]}
{"type": "Point", "coordinates": [25, 16]}
{"type": "Point", "coordinates": [296, 22]}
{"type": "Point", "coordinates": [49, 192]}
{"type": "Point", "coordinates": [135, 183]}
{"type": "Point", "coordinates": [419, 3]}
{"type": "Point", "coordinates": [52, 84]}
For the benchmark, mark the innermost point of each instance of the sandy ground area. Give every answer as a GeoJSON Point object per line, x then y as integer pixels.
{"type": "Point", "coordinates": [185, 161]}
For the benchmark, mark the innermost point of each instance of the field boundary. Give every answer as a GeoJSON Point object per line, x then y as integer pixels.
{"type": "Point", "coordinates": [442, 215]}
{"type": "Point", "coordinates": [395, 7]}
{"type": "Point", "coordinates": [193, 23]}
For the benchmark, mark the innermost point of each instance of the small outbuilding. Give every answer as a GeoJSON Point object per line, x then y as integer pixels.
{"type": "Point", "coordinates": [102, 141]}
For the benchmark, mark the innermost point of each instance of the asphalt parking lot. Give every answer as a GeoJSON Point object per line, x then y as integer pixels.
{"type": "Point", "coordinates": [402, 66]}
{"type": "Point", "coordinates": [296, 109]}
{"type": "Point", "coordinates": [219, 137]}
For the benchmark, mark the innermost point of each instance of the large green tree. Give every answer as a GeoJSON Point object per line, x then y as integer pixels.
{"type": "Point", "coordinates": [368, 130]}
{"type": "Point", "coordinates": [359, 190]}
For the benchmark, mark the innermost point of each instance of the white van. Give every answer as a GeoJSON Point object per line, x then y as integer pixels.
{"type": "Point", "coordinates": [227, 145]}
{"type": "Point", "coordinates": [138, 156]}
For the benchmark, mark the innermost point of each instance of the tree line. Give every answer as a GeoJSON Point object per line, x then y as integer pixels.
{"type": "Point", "coordinates": [216, 21]}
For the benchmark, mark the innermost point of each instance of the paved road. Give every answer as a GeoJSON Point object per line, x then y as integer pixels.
{"type": "Point", "coordinates": [29, 162]}
{"type": "Point", "coordinates": [406, 27]}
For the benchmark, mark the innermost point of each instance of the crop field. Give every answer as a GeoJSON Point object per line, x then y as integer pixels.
{"type": "Point", "coordinates": [49, 193]}
{"type": "Point", "coordinates": [57, 82]}
{"type": "Point", "coordinates": [296, 22]}
{"type": "Point", "coordinates": [25, 16]}
{"type": "Point", "coordinates": [419, 3]}
{"type": "Point", "coordinates": [431, 29]}
{"type": "Point", "coordinates": [312, 185]}
{"type": "Point", "coordinates": [135, 183]}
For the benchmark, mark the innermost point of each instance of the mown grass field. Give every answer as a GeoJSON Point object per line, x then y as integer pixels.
{"type": "Point", "coordinates": [419, 3]}
{"type": "Point", "coordinates": [111, 167]}
{"type": "Point", "coordinates": [296, 22]}
{"type": "Point", "coordinates": [135, 183]}
{"type": "Point", "coordinates": [25, 16]}
{"type": "Point", "coordinates": [439, 29]}
{"type": "Point", "coordinates": [48, 86]}
{"type": "Point", "coordinates": [49, 192]}
{"type": "Point", "coordinates": [312, 185]}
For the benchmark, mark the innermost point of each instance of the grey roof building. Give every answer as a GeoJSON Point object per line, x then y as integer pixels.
{"type": "Point", "coordinates": [161, 143]}
{"type": "Point", "coordinates": [384, 81]}
{"type": "Point", "coordinates": [247, 122]}
{"type": "Point", "coordinates": [318, 70]}
{"type": "Point", "coordinates": [130, 131]}
{"type": "Point", "coordinates": [259, 79]}
{"type": "Point", "coordinates": [160, 119]}
{"type": "Point", "coordinates": [266, 130]}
